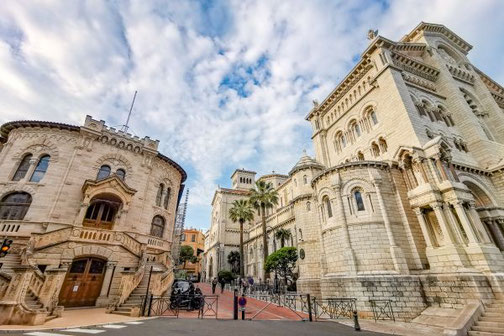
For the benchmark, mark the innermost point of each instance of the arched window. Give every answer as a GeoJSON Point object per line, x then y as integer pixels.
{"type": "Point", "coordinates": [360, 156]}
{"type": "Point", "coordinates": [159, 195]}
{"type": "Point", "coordinates": [372, 116]}
{"type": "Point", "coordinates": [356, 130]}
{"type": "Point", "coordinates": [23, 168]}
{"type": "Point", "coordinates": [308, 206]}
{"type": "Point", "coordinates": [327, 205]}
{"type": "Point", "coordinates": [103, 173]}
{"type": "Point", "coordinates": [41, 169]}
{"type": "Point", "coordinates": [15, 206]}
{"type": "Point", "coordinates": [167, 198]}
{"type": "Point", "coordinates": [375, 149]}
{"type": "Point", "coordinates": [383, 145]}
{"type": "Point", "coordinates": [359, 201]}
{"type": "Point", "coordinates": [102, 211]}
{"type": "Point", "coordinates": [157, 227]}
{"type": "Point", "coordinates": [121, 173]}
{"type": "Point", "coordinates": [305, 179]}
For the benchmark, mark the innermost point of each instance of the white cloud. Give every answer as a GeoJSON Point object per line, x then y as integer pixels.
{"type": "Point", "coordinates": [62, 60]}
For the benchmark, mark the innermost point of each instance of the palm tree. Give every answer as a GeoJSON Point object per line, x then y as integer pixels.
{"type": "Point", "coordinates": [282, 235]}
{"type": "Point", "coordinates": [241, 212]}
{"type": "Point", "coordinates": [234, 259]}
{"type": "Point", "coordinates": [264, 197]}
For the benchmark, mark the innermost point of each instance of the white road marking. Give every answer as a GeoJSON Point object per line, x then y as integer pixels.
{"type": "Point", "coordinates": [113, 326]}
{"type": "Point", "coordinates": [40, 333]}
{"type": "Point", "coordinates": [133, 322]}
{"type": "Point", "coordinates": [85, 331]}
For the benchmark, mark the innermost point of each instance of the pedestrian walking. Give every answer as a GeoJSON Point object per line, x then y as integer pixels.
{"type": "Point", "coordinates": [222, 283]}
{"type": "Point", "coordinates": [214, 284]}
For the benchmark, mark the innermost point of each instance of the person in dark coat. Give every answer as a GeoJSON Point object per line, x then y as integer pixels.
{"type": "Point", "coordinates": [222, 283]}
{"type": "Point", "coordinates": [214, 285]}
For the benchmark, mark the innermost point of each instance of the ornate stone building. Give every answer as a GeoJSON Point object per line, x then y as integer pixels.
{"type": "Point", "coordinates": [405, 198]}
{"type": "Point", "coordinates": [89, 209]}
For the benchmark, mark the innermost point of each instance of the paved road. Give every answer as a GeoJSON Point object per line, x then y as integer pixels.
{"type": "Point", "coordinates": [208, 327]}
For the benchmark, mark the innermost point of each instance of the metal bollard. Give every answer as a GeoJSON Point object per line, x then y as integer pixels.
{"type": "Point", "coordinates": [308, 299]}
{"type": "Point", "coordinates": [356, 321]}
{"type": "Point", "coordinates": [235, 305]}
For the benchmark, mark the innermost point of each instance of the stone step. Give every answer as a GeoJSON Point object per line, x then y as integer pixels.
{"type": "Point", "coordinates": [123, 309]}
{"type": "Point", "coordinates": [495, 310]}
{"type": "Point", "coordinates": [498, 305]}
{"type": "Point", "coordinates": [483, 333]}
{"type": "Point", "coordinates": [499, 319]}
{"type": "Point", "coordinates": [490, 324]}
{"type": "Point", "coordinates": [488, 329]}
{"type": "Point", "coordinates": [492, 314]}
{"type": "Point", "coordinates": [121, 313]}
{"type": "Point", "coordinates": [129, 305]}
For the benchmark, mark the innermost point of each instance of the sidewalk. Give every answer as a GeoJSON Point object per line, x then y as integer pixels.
{"type": "Point", "coordinates": [76, 318]}
{"type": "Point", "coordinates": [395, 328]}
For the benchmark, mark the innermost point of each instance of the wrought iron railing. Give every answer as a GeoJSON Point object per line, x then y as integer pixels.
{"type": "Point", "coordinates": [382, 310]}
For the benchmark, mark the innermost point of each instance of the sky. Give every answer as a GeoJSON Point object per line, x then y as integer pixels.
{"type": "Point", "coordinates": [221, 84]}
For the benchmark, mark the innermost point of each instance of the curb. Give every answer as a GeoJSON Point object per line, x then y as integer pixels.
{"type": "Point", "coordinates": [88, 326]}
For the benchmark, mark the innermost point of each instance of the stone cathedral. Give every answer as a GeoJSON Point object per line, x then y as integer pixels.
{"type": "Point", "coordinates": [404, 200]}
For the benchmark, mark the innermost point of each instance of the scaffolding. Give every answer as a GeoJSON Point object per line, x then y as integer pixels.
{"type": "Point", "coordinates": [179, 229]}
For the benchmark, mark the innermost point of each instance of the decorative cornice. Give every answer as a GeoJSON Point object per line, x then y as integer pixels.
{"type": "Point", "coordinates": [461, 74]}
{"type": "Point", "coordinates": [355, 164]}
{"type": "Point", "coordinates": [440, 29]}
{"type": "Point", "coordinates": [414, 66]}
{"type": "Point", "coordinates": [356, 74]}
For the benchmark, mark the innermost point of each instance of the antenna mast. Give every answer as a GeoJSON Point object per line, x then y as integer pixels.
{"type": "Point", "coordinates": [125, 126]}
{"type": "Point", "coordinates": [179, 228]}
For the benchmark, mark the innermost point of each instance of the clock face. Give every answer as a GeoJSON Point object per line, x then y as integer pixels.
{"type": "Point", "coordinates": [302, 254]}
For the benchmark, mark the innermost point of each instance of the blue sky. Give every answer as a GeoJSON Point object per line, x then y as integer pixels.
{"type": "Point", "coordinates": [222, 84]}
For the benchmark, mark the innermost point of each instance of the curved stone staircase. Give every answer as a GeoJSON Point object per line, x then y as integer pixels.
{"type": "Point", "coordinates": [137, 296]}
{"type": "Point", "coordinates": [135, 299]}
{"type": "Point", "coordinates": [491, 323]}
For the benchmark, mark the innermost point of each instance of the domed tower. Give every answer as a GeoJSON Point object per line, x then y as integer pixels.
{"type": "Point", "coordinates": [308, 234]}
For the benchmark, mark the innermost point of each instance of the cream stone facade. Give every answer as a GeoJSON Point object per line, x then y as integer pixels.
{"type": "Point", "coordinates": [404, 200]}
{"type": "Point", "coordinates": [89, 209]}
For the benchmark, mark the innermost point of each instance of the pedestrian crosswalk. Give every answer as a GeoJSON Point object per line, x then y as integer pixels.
{"type": "Point", "coordinates": [82, 331]}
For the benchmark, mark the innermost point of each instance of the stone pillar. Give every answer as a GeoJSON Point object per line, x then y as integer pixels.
{"type": "Point", "coordinates": [461, 237]}
{"type": "Point", "coordinates": [441, 169]}
{"type": "Point", "coordinates": [104, 297]}
{"type": "Point", "coordinates": [493, 225]}
{"type": "Point", "coordinates": [349, 254]}
{"type": "Point", "coordinates": [478, 225]}
{"type": "Point", "coordinates": [448, 235]}
{"type": "Point", "coordinates": [466, 223]}
{"type": "Point", "coordinates": [423, 225]}
{"type": "Point", "coordinates": [400, 263]}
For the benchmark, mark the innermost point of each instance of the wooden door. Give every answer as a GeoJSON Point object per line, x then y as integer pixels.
{"type": "Point", "coordinates": [83, 282]}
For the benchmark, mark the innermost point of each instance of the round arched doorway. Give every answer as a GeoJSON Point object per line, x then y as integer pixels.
{"type": "Point", "coordinates": [83, 282]}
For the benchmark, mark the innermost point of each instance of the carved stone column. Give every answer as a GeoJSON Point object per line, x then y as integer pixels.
{"type": "Point", "coordinates": [104, 294]}
{"type": "Point", "coordinates": [478, 225]}
{"type": "Point", "coordinates": [449, 237]}
{"type": "Point", "coordinates": [461, 236]}
{"type": "Point", "coordinates": [423, 225]}
{"type": "Point", "coordinates": [466, 223]}
{"type": "Point", "coordinates": [493, 225]}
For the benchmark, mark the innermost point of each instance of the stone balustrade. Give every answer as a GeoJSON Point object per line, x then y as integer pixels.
{"type": "Point", "coordinates": [129, 282]}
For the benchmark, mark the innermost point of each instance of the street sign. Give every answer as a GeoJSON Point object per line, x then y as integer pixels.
{"type": "Point", "coordinates": [242, 301]}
